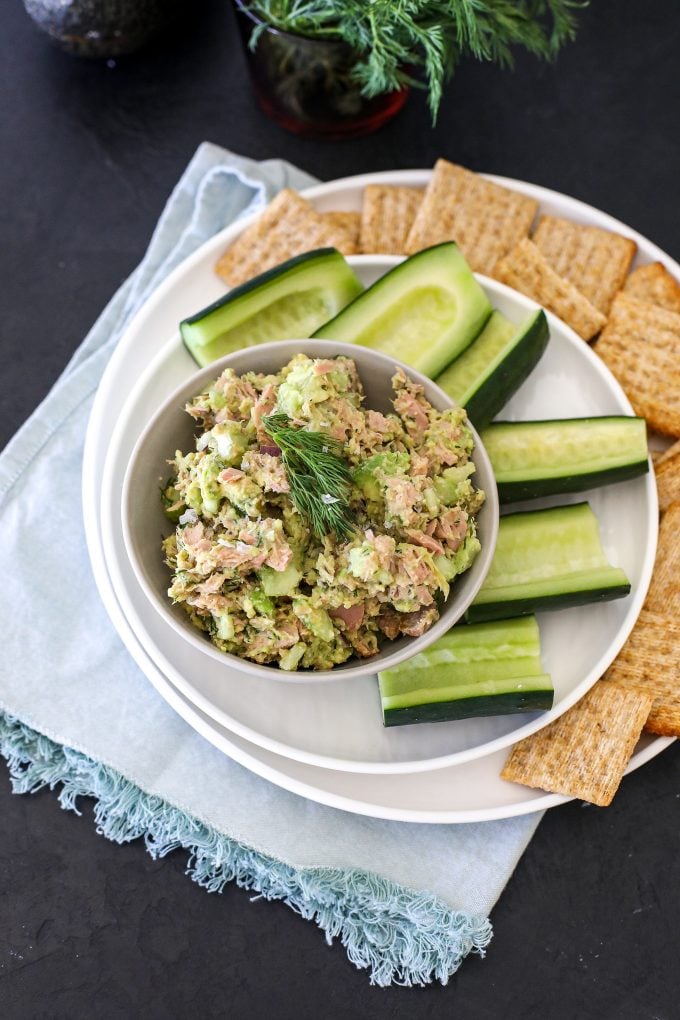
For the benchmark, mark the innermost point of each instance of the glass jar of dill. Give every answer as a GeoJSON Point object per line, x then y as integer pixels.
{"type": "Point", "coordinates": [307, 84]}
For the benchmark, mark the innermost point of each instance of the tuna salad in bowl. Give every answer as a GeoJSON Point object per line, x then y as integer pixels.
{"type": "Point", "coordinates": [310, 509]}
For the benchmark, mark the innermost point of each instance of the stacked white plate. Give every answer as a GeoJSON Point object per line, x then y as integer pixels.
{"type": "Point", "coordinates": [326, 741]}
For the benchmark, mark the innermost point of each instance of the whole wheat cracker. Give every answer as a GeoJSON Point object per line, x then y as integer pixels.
{"type": "Point", "coordinates": [347, 220]}
{"type": "Point", "coordinates": [585, 752]}
{"type": "Point", "coordinates": [650, 660]}
{"type": "Point", "coordinates": [641, 346]}
{"type": "Point", "coordinates": [485, 219]}
{"type": "Point", "coordinates": [663, 595]}
{"type": "Point", "coordinates": [671, 451]}
{"type": "Point", "coordinates": [667, 471]}
{"type": "Point", "coordinates": [526, 269]}
{"type": "Point", "coordinates": [655, 284]}
{"type": "Point", "coordinates": [387, 215]}
{"type": "Point", "coordinates": [596, 261]}
{"type": "Point", "coordinates": [288, 226]}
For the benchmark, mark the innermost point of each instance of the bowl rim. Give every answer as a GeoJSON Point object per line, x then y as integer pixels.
{"type": "Point", "coordinates": [355, 667]}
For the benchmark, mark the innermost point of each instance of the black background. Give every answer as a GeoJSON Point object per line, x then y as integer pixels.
{"type": "Point", "coordinates": [587, 927]}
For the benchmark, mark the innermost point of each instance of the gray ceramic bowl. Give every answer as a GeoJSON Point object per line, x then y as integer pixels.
{"type": "Point", "coordinates": [170, 429]}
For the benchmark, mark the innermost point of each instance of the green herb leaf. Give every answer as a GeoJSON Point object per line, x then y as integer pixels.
{"type": "Point", "coordinates": [319, 477]}
{"type": "Point", "coordinates": [393, 36]}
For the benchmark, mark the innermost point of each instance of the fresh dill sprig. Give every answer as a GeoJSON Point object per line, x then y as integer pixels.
{"type": "Point", "coordinates": [391, 37]}
{"type": "Point", "coordinates": [319, 477]}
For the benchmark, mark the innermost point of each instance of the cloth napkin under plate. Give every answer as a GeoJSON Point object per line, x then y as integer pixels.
{"type": "Point", "coordinates": [77, 713]}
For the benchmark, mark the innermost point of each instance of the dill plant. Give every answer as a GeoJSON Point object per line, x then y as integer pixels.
{"type": "Point", "coordinates": [395, 39]}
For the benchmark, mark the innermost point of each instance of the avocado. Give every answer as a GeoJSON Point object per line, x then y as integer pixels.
{"type": "Point", "coordinates": [279, 582]}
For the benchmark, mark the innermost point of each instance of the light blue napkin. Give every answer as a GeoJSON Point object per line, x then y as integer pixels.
{"type": "Point", "coordinates": [78, 713]}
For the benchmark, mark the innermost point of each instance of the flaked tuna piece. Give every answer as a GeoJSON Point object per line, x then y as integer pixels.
{"type": "Point", "coordinates": [280, 555]}
{"type": "Point", "coordinates": [385, 547]}
{"type": "Point", "coordinates": [419, 465]}
{"type": "Point", "coordinates": [238, 555]}
{"type": "Point", "coordinates": [379, 423]}
{"type": "Point", "coordinates": [401, 497]}
{"type": "Point", "coordinates": [323, 366]}
{"type": "Point", "coordinates": [427, 541]}
{"type": "Point", "coordinates": [265, 404]}
{"type": "Point", "coordinates": [410, 404]}
{"type": "Point", "coordinates": [267, 470]}
{"type": "Point", "coordinates": [231, 475]}
{"type": "Point", "coordinates": [287, 634]}
{"type": "Point", "coordinates": [424, 595]}
{"type": "Point", "coordinates": [195, 539]}
{"type": "Point", "coordinates": [414, 563]}
{"type": "Point", "coordinates": [352, 616]}
{"type": "Point", "coordinates": [452, 528]}
{"type": "Point", "coordinates": [211, 585]}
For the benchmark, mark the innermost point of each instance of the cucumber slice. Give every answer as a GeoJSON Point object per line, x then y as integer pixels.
{"type": "Point", "coordinates": [486, 375]}
{"type": "Point", "coordinates": [482, 669]}
{"type": "Point", "coordinates": [547, 559]}
{"type": "Point", "coordinates": [287, 302]}
{"type": "Point", "coordinates": [540, 458]}
{"type": "Point", "coordinates": [424, 312]}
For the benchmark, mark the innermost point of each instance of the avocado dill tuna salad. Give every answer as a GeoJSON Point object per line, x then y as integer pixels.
{"type": "Point", "coordinates": [310, 529]}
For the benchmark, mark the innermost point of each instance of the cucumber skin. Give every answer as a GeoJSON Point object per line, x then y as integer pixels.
{"type": "Point", "coordinates": [470, 708]}
{"type": "Point", "coordinates": [494, 392]}
{"type": "Point", "coordinates": [513, 492]}
{"type": "Point", "coordinates": [290, 268]}
{"type": "Point", "coordinates": [262, 278]}
{"type": "Point", "coordinates": [508, 608]}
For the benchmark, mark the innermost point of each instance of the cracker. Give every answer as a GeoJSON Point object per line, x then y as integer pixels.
{"type": "Point", "coordinates": [387, 216]}
{"type": "Point", "coordinates": [585, 752]}
{"type": "Point", "coordinates": [596, 261]}
{"type": "Point", "coordinates": [659, 456]}
{"type": "Point", "coordinates": [650, 661]}
{"type": "Point", "coordinates": [526, 269]}
{"type": "Point", "coordinates": [655, 284]}
{"type": "Point", "coordinates": [641, 346]}
{"type": "Point", "coordinates": [288, 226]}
{"type": "Point", "coordinates": [349, 221]}
{"type": "Point", "coordinates": [667, 471]}
{"type": "Point", "coordinates": [664, 591]}
{"type": "Point", "coordinates": [485, 219]}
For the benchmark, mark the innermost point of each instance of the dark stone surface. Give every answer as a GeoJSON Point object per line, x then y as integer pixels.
{"type": "Point", "coordinates": [587, 927]}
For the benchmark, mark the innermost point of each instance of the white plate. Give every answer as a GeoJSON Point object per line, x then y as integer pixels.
{"type": "Point", "coordinates": [156, 321]}
{"type": "Point", "coordinates": [460, 794]}
{"type": "Point", "coordinates": [338, 725]}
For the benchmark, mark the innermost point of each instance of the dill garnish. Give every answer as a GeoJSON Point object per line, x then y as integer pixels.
{"type": "Point", "coordinates": [319, 477]}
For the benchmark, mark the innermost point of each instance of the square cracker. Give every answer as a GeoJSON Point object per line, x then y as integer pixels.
{"type": "Point", "coordinates": [485, 219]}
{"type": "Point", "coordinates": [387, 215]}
{"type": "Point", "coordinates": [349, 221]}
{"type": "Point", "coordinates": [659, 456]}
{"type": "Point", "coordinates": [667, 471]}
{"type": "Point", "coordinates": [664, 591]}
{"type": "Point", "coordinates": [650, 661]}
{"type": "Point", "coordinates": [596, 261]}
{"type": "Point", "coordinates": [288, 226]}
{"type": "Point", "coordinates": [655, 284]}
{"type": "Point", "coordinates": [526, 269]}
{"type": "Point", "coordinates": [641, 346]}
{"type": "Point", "coordinates": [584, 753]}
